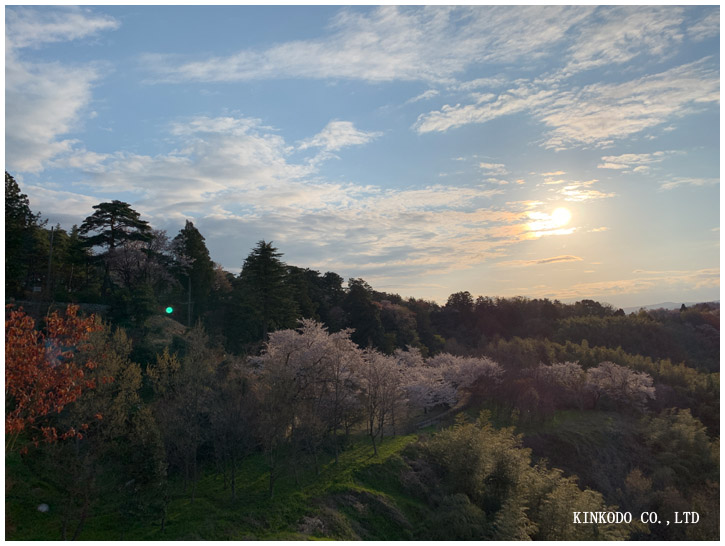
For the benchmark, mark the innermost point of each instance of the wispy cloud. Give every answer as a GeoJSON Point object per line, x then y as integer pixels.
{"type": "Point", "coordinates": [638, 163]}
{"type": "Point", "coordinates": [45, 100]}
{"type": "Point", "coordinates": [617, 35]}
{"type": "Point", "coordinates": [543, 261]}
{"type": "Point", "coordinates": [600, 113]}
{"type": "Point", "coordinates": [520, 99]}
{"type": "Point", "coordinates": [434, 43]}
{"type": "Point", "coordinates": [688, 181]}
{"type": "Point", "coordinates": [493, 168]}
{"type": "Point", "coordinates": [706, 27]}
{"type": "Point", "coordinates": [594, 115]}
{"type": "Point", "coordinates": [337, 135]}
{"type": "Point", "coordinates": [645, 281]}
{"type": "Point", "coordinates": [582, 191]}
{"type": "Point", "coordinates": [31, 27]}
{"type": "Point", "coordinates": [425, 95]}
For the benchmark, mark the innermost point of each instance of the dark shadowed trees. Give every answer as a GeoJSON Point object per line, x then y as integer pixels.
{"type": "Point", "coordinates": [194, 270]}
{"type": "Point", "coordinates": [110, 226]}
{"type": "Point", "coordinates": [266, 292]}
{"type": "Point", "coordinates": [22, 229]}
{"type": "Point", "coordinates": [363, 315]}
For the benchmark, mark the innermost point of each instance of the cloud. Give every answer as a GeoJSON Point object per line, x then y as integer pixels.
{"type": "Point", "coordinates": [490, 82]}
{"type": "Point", "coordinates": [523, 98]}
{"type": "Point", "coordinates": [707, 27]}
{"type": "Point", "coordinates": [239, 181]}
{"type": "Point", "coordinates": [683, 281]}
{"type": "Point", "coordinates": [633, 162]}
{"type": "Point", "coordinates": [600, 113]}
{"type": "Point", "coordinates": [619, 34]}
{"type": "Point", "coordinates": [689, 181]}
{"type": "Point", "coordinates": [337, 135]}
{"type": "Point", "coordinates": [575, 191]}
{"type": "Point", "coordinates": [582, 191]}
{"type": "Point", "coordinates": [425, 95]}
{"type": "Point", "coordinates": [45, 101]}
{"type": "Point", "coordinates": [596, 114]}
{"type": "Point", "coordinates": [68, 208]}
{"type": "Point", "coordinates": [543, 261]}
{"type": "Point", "coordinates": [494, 168]}
{"type": "Point", "coordinates": [28, 27]}
{"type": "Point", "coordinates": [433, 43]}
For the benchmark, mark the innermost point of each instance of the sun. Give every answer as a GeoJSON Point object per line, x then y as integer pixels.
{"type": "Point", "coordinates": [560, 217]}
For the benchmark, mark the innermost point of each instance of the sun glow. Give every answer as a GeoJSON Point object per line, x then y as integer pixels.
{"type": "Point", "coordinates": [560, 217]}
{"type": "Point", "coordinates": [549, 224]}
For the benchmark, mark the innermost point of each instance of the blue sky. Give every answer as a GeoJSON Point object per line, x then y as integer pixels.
{"type": "Point", "coordinates": [566, 152]}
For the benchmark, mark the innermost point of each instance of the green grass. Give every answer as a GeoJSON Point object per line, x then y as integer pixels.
{"type": "Point", "coordinates": [359, 479]}
{"type": "Point", "coordinates": [361, 497]}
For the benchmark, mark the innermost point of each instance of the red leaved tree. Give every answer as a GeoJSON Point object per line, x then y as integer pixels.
{"type": "Point", "coordinates": [42, 375]}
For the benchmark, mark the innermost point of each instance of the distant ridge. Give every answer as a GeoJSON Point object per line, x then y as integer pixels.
{"type": "Point", "coordinates": [665, 305]}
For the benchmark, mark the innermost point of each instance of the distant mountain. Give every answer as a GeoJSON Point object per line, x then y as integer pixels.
{"type": "Point", "coordinates": [665, 305]}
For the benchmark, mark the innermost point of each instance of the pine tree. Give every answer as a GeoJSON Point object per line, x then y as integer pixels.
{"type": "Point", "coordinates": [194, 270]}
{"type": "Point", "coordinates": [266, 290]}
{"type": "Point", "coordinates": [21, 227]}
{"type": "Point", "coordinates": [112, 225]}
{"type": "Point", "coordinates": [364, 315]}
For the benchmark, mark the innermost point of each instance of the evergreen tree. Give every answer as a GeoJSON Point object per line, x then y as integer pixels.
{"type": "Point", "coordinates": [194, 270]}
{"type": "Point", "coordinates": [21, 227]}
{"type": "Point", "coordinates": [112, 225]}
{"type": "Point", "coordinates": [364, 315]}
{"type": "Point", "coordinates": [266, 290]}
{"type": "Point", "coordinates": [82, 281]}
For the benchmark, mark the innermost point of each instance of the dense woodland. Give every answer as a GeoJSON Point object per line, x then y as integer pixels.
{"type": "Point", "coordinates": [285, 403]}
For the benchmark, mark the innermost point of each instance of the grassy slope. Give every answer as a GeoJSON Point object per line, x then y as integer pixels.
{"type": "Point", "coordinates": [358, 498]}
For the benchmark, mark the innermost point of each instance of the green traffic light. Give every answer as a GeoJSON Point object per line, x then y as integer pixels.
{"type": "Point", "coordinates": [169, 310]}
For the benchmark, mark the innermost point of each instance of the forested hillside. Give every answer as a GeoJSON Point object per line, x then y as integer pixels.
{"type": "Point", "coordinates": [150, 394]}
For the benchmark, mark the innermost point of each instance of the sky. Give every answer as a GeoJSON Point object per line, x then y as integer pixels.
{"type": "Point", "coordinates": [565, 152]}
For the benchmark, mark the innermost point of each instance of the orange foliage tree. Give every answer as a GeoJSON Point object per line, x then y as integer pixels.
{"type": "Point", "coordinates": [42, 374]}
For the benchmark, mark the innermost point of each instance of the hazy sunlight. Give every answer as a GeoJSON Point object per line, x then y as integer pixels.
{"type": "Point", "coordinates": [560, 217]}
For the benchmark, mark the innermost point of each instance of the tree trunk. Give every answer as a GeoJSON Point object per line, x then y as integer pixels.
{"type": "Point", "coordinates": [195, 479]}
{"type": "Point", "coordinates": [233, 479]}
{"type": "Point", "coordinates": [84, 515]}
{"type": "Point", "coordinates": [375, 447]}
{"type": "Point", "coordinates": [272, 479]}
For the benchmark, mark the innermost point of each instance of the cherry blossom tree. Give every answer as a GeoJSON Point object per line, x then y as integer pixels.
{"type": "Point", "coordinates": [308, 381]}
{"type": "Point", "coordinates": [464, 372]}
{"type": "Point", "coordinates": [568, 377]}
{"type": "Point", "coordinates": [381, 390]}
{"type": "Point", "coordinates": [621, 384]}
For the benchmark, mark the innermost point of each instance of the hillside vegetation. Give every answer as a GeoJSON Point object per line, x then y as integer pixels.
{"type": "Point", "coordinates": [168, 399]}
